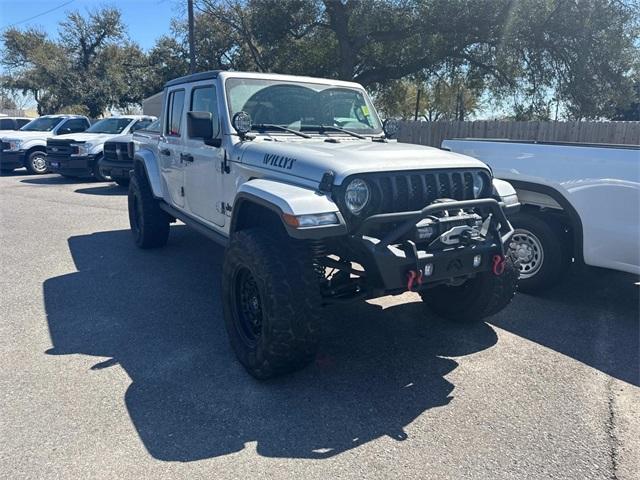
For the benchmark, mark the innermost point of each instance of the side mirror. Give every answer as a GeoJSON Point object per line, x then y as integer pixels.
{"type": "Point", "coordinates": [201, 125]}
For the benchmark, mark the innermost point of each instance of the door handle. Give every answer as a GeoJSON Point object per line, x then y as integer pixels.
{"type": "Point", "coordinates": [186, 157]}
{"type": "Point", "coordinates": [165, 151]}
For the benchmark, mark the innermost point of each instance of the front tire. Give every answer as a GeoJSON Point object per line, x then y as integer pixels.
{"type": "Point", "coordinates": [36, 163]}
{"type": "Point", "coordinates": [482, 296]}
{"type": "Point", "coordinates": [542, 249]}
{"type": "Point", "coordinates": [97, 172]}
{"type": "Point", "coordinates": [149, 223]}
{"type": "Point", "coordinates": [271, 302]}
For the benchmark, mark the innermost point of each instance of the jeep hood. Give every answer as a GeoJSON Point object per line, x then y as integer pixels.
{"type": "Point", "coordinates": [311, 158]}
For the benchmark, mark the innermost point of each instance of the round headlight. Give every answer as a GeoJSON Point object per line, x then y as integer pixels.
{"type": "Point", "coordinates": [241, 122]}
{"type": "Point", "coordinates": [356, 195]}
{"type": "Point", "coordinates": [478, 184]}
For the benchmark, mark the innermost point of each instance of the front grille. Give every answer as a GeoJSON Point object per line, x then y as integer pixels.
{"type": "Point", "coordinates": [393, 192]}
{"type": "Point", "coordinates": [60, 148]}
{"type": "Point", "coordinates": [118, 151]}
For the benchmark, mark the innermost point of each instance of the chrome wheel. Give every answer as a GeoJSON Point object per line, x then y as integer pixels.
{"type": "Point", "coordinates": [526, 248]}
{"type": "Point", "coordinates": [38, 163]}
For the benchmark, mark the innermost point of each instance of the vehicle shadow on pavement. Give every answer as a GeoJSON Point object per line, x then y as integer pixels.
{"type": "Point", "coordinates": [53, 179]}
{"type": "Point", "coordinates": [109, 189]}
{"type": "Point", "coordinates": [593, 316]}
{"type": "Point", "coordinates": [158, 315]}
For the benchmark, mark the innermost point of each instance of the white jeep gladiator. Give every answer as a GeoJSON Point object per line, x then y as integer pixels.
{"type": "Point", "coordinates": [79, 154]}
{"type": "Point", "coordinates": [579, 201]}
{"type": "Point", "coordinates": [297, 178]}
{"type": "Point", "coordinates": [27, 147]}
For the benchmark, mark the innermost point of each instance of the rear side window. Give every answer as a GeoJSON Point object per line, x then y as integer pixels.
{"type": "Point", "coordinates": [6, 124]}
{"type": "Point", "coordinates": [174, 119]}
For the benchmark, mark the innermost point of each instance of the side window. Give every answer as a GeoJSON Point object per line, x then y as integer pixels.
{"type": "Point", "coordinates": [22, 122]}
{"type": "Point", "coordinates": [174, 118]}
{"type": "Point", "coordinates": [6, 124]}
{"type": "Point", "coordinates": [203, 99]}
{"type": "Point", "coordinates": [74, 125]}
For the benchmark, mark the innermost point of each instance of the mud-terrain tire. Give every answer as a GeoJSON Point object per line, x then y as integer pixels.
{"type": "Point", "coordinates": [122, 181]}
{"type": "Point", "coordinates": [542, 249]}
{"type": "Point", "coordinates": [149, 223]}
{"type": "Point", "coordinates": [477, 298]}
{"type": "Point", "coordinates": [36, 164]}
{"type": "Point", "coordinates": [271, 302]}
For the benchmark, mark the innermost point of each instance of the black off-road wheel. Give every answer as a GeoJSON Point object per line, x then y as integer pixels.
{"type": "Point", "coordinates": [542, 248]}
{"type": "Point", "coordinates": [482, 296]}
{"type": "Point", "coordinates": [149, 223]}
{"type": "Point", "coordinates": [36, 163]}
{"type": "Point", "coordinates": [122, 181]}
{"type": "Point", "coordinates": [271, 302]}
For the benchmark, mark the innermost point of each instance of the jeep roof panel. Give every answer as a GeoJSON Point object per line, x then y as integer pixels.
{"type": "Point", "coordinates": [195, 77]}
{"type": "Point", "coordinates": [213, 74]}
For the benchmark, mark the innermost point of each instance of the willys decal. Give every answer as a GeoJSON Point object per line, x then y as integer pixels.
{"type": "Point", "coordinates": [278, 161]}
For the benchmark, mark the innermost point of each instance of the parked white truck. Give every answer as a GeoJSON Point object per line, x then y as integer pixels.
{"type": "Point", "coordinates": [27, 147]}
{"type": "Point", "coordinates": [79, 154]}
{"type": "Point", "coordinates": [316, 206]}
{"type": "Point", "coordinates": [579, 201]}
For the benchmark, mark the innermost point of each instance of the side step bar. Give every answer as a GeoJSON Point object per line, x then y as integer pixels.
{"type": "Point", "coordinates": [195, 224]}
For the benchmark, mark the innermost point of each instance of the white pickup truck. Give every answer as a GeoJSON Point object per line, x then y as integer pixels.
{"type": "Point", "coordinates": [579, 201]}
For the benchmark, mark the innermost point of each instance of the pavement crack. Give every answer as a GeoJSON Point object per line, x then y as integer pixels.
{"type": "Point", "coordinates": [611, 426]}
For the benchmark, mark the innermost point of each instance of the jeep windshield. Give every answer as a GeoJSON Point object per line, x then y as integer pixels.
{"type": "Point", "coordinates": [42, 124]}
{"type": "Point", "coordinates": [110, 125]}
{"type": "Point", "coordinates": [302, 106]}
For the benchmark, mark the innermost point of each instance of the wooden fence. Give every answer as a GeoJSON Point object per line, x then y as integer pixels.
{"type": "Point", "coordinates": [433, 133]}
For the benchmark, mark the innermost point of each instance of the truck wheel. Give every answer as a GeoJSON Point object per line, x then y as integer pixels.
{"type": "Point", "coordinates": [97, 172]}
{"type": "Point", "coordinates": [36, 163]}
{"type": "Point", "coordinates": [122, 181]}
{"type": "Point", "coordinates": [271, 302]}
{"type": "Point", "coordinates": [477, 298]}
{"type": "Point", "coordinates": [149, 223]}
{"type": "Point", "coordinates": [541, 248]}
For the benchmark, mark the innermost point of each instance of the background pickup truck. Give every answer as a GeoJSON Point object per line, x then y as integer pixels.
{"type": "Point", "coordinates": [579, 201]}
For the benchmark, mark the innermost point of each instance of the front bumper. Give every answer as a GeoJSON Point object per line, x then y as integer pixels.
{"type": "Point", "coordinates": [116, 169]}
{"type": "Point", "coordinates": [73, 166]}
{"type": "Point", "coordinates": [392, 258]}
{"type": "Point", "coordinates": [11, 159]}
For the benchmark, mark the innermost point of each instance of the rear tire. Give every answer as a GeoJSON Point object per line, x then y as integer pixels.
{"type": "Point", "coordinates": [149, 223]}
{"type": "Point", "coordinates": [36, 163]}
{"type": "Point", "coordinates": [477, 298]}
{"type": "Point", "coordinates": [542, 249]}
{"type": "Point", "coordinates": [271, 302]}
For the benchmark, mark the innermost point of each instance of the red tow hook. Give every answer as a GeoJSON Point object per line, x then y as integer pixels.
{"type": "Point", "coordinates": [413, 277]}
{"type": "Point", "coordinates": [498, 265]}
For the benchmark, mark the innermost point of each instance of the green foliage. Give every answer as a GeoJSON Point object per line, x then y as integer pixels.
{"type": "Point", "coordinates": [534, 59]}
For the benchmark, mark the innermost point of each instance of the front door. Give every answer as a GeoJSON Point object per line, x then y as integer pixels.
{"type": "Point", "coordinates": [203, 177]}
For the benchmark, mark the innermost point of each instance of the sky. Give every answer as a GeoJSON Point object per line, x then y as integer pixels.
{"type": "Point", "coordinates": [146, 20]}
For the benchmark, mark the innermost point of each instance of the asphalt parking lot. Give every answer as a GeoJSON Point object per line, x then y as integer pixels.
{"type": "Point", "coordinates": [115, 364]}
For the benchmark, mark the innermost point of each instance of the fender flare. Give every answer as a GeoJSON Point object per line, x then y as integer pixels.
{"type": "Point", "coordinates": [572, 214]}
{"type": "Point", "coordinates": [146, 160]}
{"type": "Point", "coordinates": [283, 198]}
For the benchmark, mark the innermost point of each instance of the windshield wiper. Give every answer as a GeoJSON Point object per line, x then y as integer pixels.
{"type": "Point", "coordinates": [339, 129]}
{"type": "Point", "coordinates": [266, 126]}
